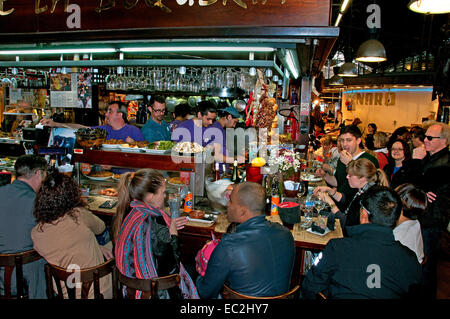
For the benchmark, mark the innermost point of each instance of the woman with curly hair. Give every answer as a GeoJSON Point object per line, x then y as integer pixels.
{"type": "Point", "coordinates": [66, 230]}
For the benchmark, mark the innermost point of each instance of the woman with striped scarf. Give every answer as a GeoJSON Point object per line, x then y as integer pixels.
{"type": "Point", "coordinates": [146, 238]}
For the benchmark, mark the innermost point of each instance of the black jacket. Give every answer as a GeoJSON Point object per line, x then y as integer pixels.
{"type": "Point", "coordinates": [406, 174]}
{"type": "Point", "coordinates": [256, 260]}
{"type": "Point", "coordinates": [352, 267]}
{"type": "Point", "coordinates": [434, 176]}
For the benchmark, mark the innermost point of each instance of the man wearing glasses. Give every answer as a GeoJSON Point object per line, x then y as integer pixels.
{"type": "Point", "coordinates": [156, 129]}
{"type": "Point", "coordinates": [433, 165]}
{"type": "Point", "coordinates": [16, 215]}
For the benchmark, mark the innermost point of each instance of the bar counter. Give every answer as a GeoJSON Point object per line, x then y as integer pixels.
{"type": "Point", "coordinates": [196, 234]}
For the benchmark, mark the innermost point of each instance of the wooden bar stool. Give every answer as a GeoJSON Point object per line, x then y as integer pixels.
{"type": "Point", "coordinates": [228, 293]}
{"type": "Point", "coordinates": [149, 287]}
{"type": "Point", "coordinates": [86, 277]}
{"type": "Point", "coordinates": [16, 260]}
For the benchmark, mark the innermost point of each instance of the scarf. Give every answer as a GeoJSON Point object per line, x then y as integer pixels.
{"type": "Point", "coordinates": [360, 192]}
{"type": "Point", "coordinates": [133, 251]}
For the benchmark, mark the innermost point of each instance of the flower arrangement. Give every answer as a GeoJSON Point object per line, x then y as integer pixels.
{"type": "Point", "coordinates": [288, 162]}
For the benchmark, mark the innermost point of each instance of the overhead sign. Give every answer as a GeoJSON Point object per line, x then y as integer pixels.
{"type": "Point", "coordinates": [91, 15]}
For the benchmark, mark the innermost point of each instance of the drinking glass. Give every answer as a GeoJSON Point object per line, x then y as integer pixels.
{"type": "Point", "coordinates": [307, 209]}
{"type": "Point", "coordinates": [174, 205]}
{"type": "Point", "coordinates": [319, 205]}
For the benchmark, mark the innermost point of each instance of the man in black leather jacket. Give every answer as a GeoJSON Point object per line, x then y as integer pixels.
{"type": "Point", "coordinates": [255, 260]}
{"type": "Point", "coordinates": [433, 165]}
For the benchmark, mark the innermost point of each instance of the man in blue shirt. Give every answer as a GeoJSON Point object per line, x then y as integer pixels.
{"type": "Point", "coordinates": [192, 130]}
{"type": "Point", "coordinates": [156, 129]}
{"type": "Point", "coordinates": [17, 220]}
{"type": "Point", "coordinates": [116, 126]}
{"type": "Point", "coordinates": [216, 133]}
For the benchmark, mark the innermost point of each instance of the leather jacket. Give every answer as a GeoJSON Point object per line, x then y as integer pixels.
{"type": "Point", "coordinates": [256, 260]}
{"type": "Point", "coordinates": [435, 177]}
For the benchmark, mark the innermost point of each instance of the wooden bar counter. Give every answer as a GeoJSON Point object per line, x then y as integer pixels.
{"type": "Point", "coordinates": [196, 234]}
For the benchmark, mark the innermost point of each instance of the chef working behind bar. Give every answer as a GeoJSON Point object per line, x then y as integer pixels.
{"type": "Point", "coordinates": [156, 129]}
{"type": "Point", "coordinates": [116, 125]}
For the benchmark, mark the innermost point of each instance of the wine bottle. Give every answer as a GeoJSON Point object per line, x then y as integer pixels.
{"type": "Point", "coordinates": [235, 177]}
{"type": "Point", "coordinates": [217, 172]}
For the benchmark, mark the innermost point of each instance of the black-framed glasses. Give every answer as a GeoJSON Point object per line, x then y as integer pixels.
{"type": "Point", "coordinates": [430, 138]}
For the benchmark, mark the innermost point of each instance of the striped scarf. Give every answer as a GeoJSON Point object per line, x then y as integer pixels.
{"type": "Point", "coordinates": [133, 251]}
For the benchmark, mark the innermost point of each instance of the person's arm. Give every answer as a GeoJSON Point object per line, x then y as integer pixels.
{"type": "Point", "coordinates": [210, 285]}
{"type": "Point", "coordinates": [51, 123]}
{"type": "Point", "coordinates": [319, 277]}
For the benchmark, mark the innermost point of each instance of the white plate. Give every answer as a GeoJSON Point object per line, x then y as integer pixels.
{"type": "Point", "coordinates": [116, 146]}
{"type": "Point", "coordinates": [310, 178]}
{"type": "Point", "coordinates": [131, 149]}
{"type": "Point", "coordinates": [160, 152]}
{"type": "Point", "coordinates": [316, 233]}
{"type": "Point", "coordinates": [99, 178]}
{"type": "Point", "coordinates": [209, 222]}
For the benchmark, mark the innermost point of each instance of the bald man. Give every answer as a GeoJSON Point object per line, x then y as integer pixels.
{"type": "Point", "coordinates": [256, 259]}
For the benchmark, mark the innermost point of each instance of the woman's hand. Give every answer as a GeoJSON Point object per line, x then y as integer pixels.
{"type": "Point", "coordinates": [177, 224]}
{"type": "Point", "coordinates": [321, 189]}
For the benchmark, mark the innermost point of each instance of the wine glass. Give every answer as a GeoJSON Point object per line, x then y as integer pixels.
{"type": "Point", "coordinates": [319, 205]}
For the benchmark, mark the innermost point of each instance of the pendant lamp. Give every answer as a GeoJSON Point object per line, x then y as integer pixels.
{"type": "Point", "coordinates": [430, 6]}
{"type": "Point", "coordinates": [371, 50]}
{"type": "Point", "coordinates": [336, 80]}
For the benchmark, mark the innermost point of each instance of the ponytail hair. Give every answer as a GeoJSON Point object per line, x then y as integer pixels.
{"type": "Point", "coordinates": [134, 185]}
{"type": "Point", "coordinates": [381, 178]}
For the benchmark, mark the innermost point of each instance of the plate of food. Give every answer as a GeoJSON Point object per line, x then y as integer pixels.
{"type": "Point", "coordinates": [159, 147]}
{"type": "Point", "coordinates": [175, 181]}
{"type": "Point", "coordinates": [99, 176]}
{"type": "Point", "coordinates": [200, 216]}
{"type": "Point", "coordinates": [111, 146]}
{"type": "Point", "coordinates": [310, 177]}
{"type": "Point", "coordinates": [188, 148]}
{"type": "Point", "coordinates": [112, 192]}
{"type": "Point", "coordinates": [130, 148]}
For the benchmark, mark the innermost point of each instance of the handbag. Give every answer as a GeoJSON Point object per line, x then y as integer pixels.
{"type": "Point", "coordinates": [203, 255]}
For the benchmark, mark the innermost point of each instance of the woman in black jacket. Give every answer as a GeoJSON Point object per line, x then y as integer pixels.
{"type": "Point", "coordinates": [399, 170]}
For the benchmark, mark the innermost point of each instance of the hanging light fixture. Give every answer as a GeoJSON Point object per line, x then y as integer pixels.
{"type": "Point", "coordinates": [336, 80]}
{"type": "Point", "coordinates": [371, 50]}
{"type": "Point", "coordinates": [430, 6]}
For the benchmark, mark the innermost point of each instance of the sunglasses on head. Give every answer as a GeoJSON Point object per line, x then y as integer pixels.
{"type": "Point", "coordinates": [430, 138]}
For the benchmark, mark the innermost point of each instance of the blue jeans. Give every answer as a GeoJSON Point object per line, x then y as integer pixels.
{"type": "Point", "coordinates": [431, 244]}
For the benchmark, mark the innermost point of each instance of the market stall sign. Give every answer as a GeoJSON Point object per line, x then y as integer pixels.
{"type": "Point", "coordinates": [83, 15]}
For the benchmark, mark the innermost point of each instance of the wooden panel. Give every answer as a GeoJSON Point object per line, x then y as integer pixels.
{"type": "Point", "coordinates": [144, 15]}
{"type": "Point", "coordinates": [137, 160]}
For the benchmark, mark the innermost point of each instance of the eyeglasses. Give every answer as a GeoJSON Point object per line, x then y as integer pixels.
{"type": "Point", "coordinates": [159, 111]}
{"type": "Point", "coordinates": [430, 138]}
{"type": "Point", "coordinates": [396, 149]}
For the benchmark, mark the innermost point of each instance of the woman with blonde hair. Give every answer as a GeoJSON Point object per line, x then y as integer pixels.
{"type": "Point", "coordinates": [145, 236]}
{"type": "Point", "coordinates": [361, 174]}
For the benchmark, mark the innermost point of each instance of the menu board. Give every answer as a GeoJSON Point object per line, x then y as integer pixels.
{"type": "Point", "coordinates": [71, 90]}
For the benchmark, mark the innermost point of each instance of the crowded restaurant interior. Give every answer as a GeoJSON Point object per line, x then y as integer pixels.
{"type": "Point", "coordinates": [225, 150]}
